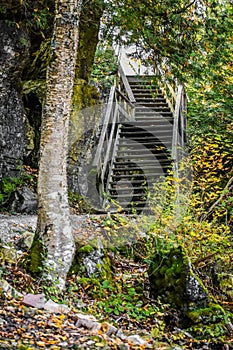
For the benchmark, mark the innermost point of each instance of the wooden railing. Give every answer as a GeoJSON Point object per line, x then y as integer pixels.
{"type": "Point", "coordinates": [177, 101]}
{"type": "Point", "coordinates": [120, 107]}
{"type": "Point", "coordinates": [169, 89]}
{"type": "Point", "coordinates": [179, 127]}
{"type": "Point", "coordinates": [124, 86]}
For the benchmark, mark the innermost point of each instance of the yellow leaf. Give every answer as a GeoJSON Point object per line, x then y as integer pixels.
{"type": "Point", "coordinates": [41, 343]}
{"type": "Point", "coordinates": [100, 345]}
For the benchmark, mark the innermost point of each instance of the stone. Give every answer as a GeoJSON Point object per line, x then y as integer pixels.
{"type": "Point", "coordinates": [83, 130]}
{"type": "Point", "coordinates": [24, 200]}
{"type": "Point", "coordinates": [136, 339]}
{"type": "Point", "coordinates": [88, 321]}
{"type": "Point", "coordinates": [34, 300]}
{"type": "Point", "coordinates": [123, 346]}
{"type": "Point", "coordinates": [38, 301]}
{"type": "Point", "coordinates": [93, 260]}
{"type": "Point", "coordinates": [51, 306]}
{"type": "Point", "coordinates": [173, 280]}
{"type": "Point", "coordinates": [108, 329]}
{"type": "Point", "coordinates": [25, 241]}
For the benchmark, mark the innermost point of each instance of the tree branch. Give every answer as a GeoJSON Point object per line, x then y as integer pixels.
{"type": "Point", "coordinates": [229, 183]}
{"type": "Point", "coordinates": [183, 9]}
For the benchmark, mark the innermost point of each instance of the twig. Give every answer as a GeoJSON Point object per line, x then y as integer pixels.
{"type": "Point", "coordinates": [219, 199]}
{"type": "Point", "coordinates": [198, 261]}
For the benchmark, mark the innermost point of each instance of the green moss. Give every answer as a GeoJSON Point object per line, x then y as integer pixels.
{"type": "Point", "coordinates": [211, 314]}
{"type": "Point", "coordinates": [168, 271]}
{"type": "Point", "coordinates": [83, 120]}
{"type": "Point", "coordinates": [35, 261]}
{"type": "Point", "coordinates": [88, 39]}
{"type": "Point", "coordinates": [86, 249]}
{"type": "Point", "coordinates": [172, 279]}
{"type": "Point", "coordinates": [106, 268]}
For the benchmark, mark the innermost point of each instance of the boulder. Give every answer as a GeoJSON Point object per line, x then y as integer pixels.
{"type": "Point", "coordinates": [23, 200]}
{"type": "Point", "coordinates": [92, 260]}
{"type": "Point", "coordinates": [172, 278]}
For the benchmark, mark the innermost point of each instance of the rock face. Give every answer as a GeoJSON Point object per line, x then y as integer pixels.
{"type": "Point", "coordinates": [173, 280]}
{"type": "Point", "coordinates": [24, 201]}
{"type": "Point", "coordinates": [84, 125]}
{"type": "Point", "coordinates": [13, 55]}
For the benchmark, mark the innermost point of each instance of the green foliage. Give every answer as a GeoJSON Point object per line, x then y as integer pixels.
{"type": "Point", "coordinates": [104, 67]}
{"type": "Point", "coordinates": [78, 203]}
{"type": "Point", "coordinates": [112, 299]}
{"type": "Point", "coordinates": [40, 16]}
{"type": "Point", "coordinates": [7, 187]}
{"type": "Point", "coordinates": [212, 169]}
{"type": "Point", "coordinates": [38, 67]}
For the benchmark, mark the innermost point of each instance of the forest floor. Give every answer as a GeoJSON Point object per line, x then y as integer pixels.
{"type": "Point", "coordinates": [108, 325]}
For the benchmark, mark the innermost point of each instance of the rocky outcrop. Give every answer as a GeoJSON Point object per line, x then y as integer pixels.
{"type": "Point", "coordinates": [173, 280]}
{"type": "Point", "coordinates": [83, 135]}
{"type": "Point", "coordinates": [13, 56]}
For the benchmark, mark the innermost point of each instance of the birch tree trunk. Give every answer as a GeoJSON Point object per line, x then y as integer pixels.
{"type": "Point", "coordinates": [53, 246]}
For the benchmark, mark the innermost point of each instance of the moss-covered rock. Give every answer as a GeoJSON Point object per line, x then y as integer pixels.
{"type": "Point", "coordinates": [172, 278]}
{"type": "Point", "coordinates": [84, 124]}
{"type": "Point", "coordinates": [213, 313]}
{"type": "Point", "coordinates": [92, 260]}
{"type": "Point", "coordinates": [208, 323]}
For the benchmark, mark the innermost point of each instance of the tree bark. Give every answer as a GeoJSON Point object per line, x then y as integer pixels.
{"type": "Point", "coordinates": [53, 246]}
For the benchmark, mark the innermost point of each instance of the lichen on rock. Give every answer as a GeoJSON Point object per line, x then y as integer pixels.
{"type": "Point", "coordinates": [92, 260]}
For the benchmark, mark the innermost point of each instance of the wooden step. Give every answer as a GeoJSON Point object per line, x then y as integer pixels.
{"type": "Point", "coordinates": [149, 122]}
{"type": "Point", "coordinates": [150, 114]}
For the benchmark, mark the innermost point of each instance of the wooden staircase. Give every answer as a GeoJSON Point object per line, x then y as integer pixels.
{"type": "Point", "coordinates": [142, 144]}
{"type": "Point", "coordinates": [142, 154]}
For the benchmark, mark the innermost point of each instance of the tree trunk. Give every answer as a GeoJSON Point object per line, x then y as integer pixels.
{"type": "Point", "coordinates": [53, 246]}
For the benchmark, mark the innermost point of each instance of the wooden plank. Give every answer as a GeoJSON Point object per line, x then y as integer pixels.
{"type": "Point", "coordinates": [109, 146]}
{"type": "Point", "coordinates": [176, 127]}
{"type": "Point", "coordinates": [124, 97]}
{"type": "Point", "coordinates": [105, 126]}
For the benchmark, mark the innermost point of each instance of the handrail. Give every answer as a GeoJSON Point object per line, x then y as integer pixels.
{"type": "Point", "coordinates": [176, 99]}
{"type": "Point", "coordinates": [178, 138]}
{"type": "Point", "coordinates": [126, 85]}
{"type": "Point", "coordinates": [124, 97]}
{"type": "Point", "coordinates": [168, 90]}
{"type": "Point", "coordinates": [115, 121]}
{"type": "Point", "coordinates": [105, 126]}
